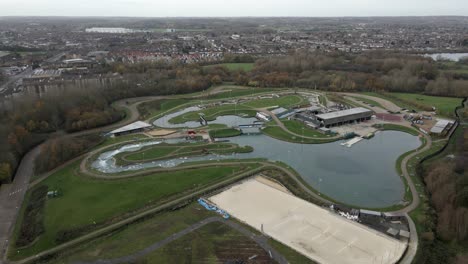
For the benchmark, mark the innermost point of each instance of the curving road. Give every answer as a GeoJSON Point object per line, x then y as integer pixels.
{"type": "Point", "coordinates": [282, 126]}
{"type": "Point", "coordinates": [383, 102]}
{"type": "Point", "coordinates": [12, 195]}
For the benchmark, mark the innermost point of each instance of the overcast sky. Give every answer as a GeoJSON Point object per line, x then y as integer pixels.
{"type": "Point", "coordinates": [200, 8]}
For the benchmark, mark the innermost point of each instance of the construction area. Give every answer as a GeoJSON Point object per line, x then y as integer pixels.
{"type": "Point", "coordinates": [316, 232]}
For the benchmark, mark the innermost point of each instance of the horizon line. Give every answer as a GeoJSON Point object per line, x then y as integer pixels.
{"type": "Point", "coordinates": [273, 16]}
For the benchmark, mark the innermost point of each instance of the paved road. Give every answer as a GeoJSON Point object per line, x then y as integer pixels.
{"type": "Point", "coordinates": [11, 198]}
{"type": "Point", "coordinates": [12, 195]}
{"type": "Point", "coordinates": [414, 240]}
{"type": "Point", "coordinates": [260, 240]}
{"type": "Point", "coordinates": [17, 189]}
{"type": "Point", "coordinates": [282, 126]}
{"type": "Point", "coordinates": [376, 109]}
{"type": "Point", "coordinates": [85, 164]}
{"type": "Point", "coordinates": [4, 87]}
{"type": "Point", "coordinates": [165, 206]}
{"type": "Point", "coordinates": [383, 102]}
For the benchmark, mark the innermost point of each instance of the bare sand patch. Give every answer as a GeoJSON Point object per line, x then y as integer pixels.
{"type": "Point", "coordinates": [160, 132]}
{"type": "Point", "coordinates": [316, 232]}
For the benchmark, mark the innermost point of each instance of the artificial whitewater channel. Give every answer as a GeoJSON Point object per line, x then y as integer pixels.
{"type": "Point", "coordinates": [363, 175]}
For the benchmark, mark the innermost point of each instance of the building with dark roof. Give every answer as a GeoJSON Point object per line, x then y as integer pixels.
{"type": "Point", "coordinates": [344, 116]}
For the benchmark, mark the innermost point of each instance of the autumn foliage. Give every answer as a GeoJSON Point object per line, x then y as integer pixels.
{"type": "Point", "coordinates": [57, 151]}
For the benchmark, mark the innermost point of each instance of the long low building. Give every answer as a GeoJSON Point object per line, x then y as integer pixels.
{"type": "Point", "coordinates": [344, 116]}
{"type": "Point", "coordinates": [441, 127]}
{"type": "Point", "coordinates": [137, 126]}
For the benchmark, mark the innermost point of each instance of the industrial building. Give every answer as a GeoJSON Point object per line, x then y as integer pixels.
{"type": "Point", "coordinates": [441, 127]}
{"type": "Point", "coordinates": [337, 118]}
{"type": "Point", "coordinates": [138, 126]}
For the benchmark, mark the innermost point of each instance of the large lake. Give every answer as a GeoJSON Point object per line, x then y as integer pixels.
{"type": "Point", "coordinates": [363, 175]}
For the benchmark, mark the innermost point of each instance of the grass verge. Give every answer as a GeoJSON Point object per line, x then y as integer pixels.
{"type": "Point", "coordinates": [85, 204]}
{"type": "Point", "coordinates": [279, 133]}
{"type": "Point", "coordinates": [223, 133]}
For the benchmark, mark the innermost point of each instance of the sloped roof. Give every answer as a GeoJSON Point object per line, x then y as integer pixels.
{"type": "Point", "coordinates": [130, 127]}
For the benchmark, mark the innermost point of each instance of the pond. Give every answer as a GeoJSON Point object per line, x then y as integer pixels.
{"type": "Point", "coordinates": [229, 120]}
{"type": "Point", "coordinates": [363, 175]}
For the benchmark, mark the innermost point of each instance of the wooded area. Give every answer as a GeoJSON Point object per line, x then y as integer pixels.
{"type": "Point", "coordinates": [446, 224]}
{"type": "Point", "coordinates": [371, 71]}
{"type": "Point", "coordinates": [31, 120]}
{"type": "Point", "coordinates": [59, 150]}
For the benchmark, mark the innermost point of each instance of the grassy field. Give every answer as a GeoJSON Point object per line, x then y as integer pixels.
{"type": "Point", "coordinates": [301, 129]}
{"type": "Point", "coordinates": [236, 91]}
{"type": "Point", "coordinates": [245, 109]}
{"type": "Point", "coordinates": [155, 107]}
{"type": "Point", "coordinates": [213, 243]}
{"type": "Point", "coordinates": [209, 241]}
{"type": "Point", "coordinates": [454, 68]}
{"type": "Point", "coordinates": [278, 133]}
{"type": "Point", "coordinates": [425, 215]}
{"type": "Point", "coordinates": [234, 66]}
{"type": "Point", "coordinates": [141, 234]}
{"type": "Point", "coordinates": [444, 105]}
{"type": "Point", "coordinates": [283, 101]}
{"type": "Point", "coordinates": [367, 101]}
{"type": "Point", "coordinates": [167, 151]}
{"type": "Point", "coordinates": [222, 133]}
{"type": "Point", "coordinates": [86, 203]}
{"type": "Point", "coordinates": [212, 113]}
{"type": "Point", "coordinates": [420, 213]}
{"type": "Point", "coordinates": [212, 240]}
{"type": "Point", "coordinates": [114, 140]}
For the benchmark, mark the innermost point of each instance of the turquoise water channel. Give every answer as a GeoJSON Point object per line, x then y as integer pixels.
{"type": "Point", "coordinates": [363, 175]}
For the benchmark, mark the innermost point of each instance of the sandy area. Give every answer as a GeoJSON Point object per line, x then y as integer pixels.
{"type": "Point", "coordinates": [311, 230]}
{"type": "Point", "coordinates": [272, 183]}
{"type": "Point", "coordinates": [160, 132]}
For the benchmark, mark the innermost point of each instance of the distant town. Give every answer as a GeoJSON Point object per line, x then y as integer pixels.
{"type": "Point", "coordinates": [39, 52]}
{"type": "Point", "coordinates": [234, 140]}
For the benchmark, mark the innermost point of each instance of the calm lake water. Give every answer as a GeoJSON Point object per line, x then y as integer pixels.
{"type": "Point", "coordinates": [363, 175]}
{"type": "Point", "coordinates": [447, 56]}
{"type": "Point", "coordinates": [229, 120]}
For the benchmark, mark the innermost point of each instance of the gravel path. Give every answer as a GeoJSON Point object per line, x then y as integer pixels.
{"type": "Point", "coordinates": [12, 195]}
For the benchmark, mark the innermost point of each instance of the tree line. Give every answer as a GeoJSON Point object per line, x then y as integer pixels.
{"type": "Point", "coordinates": [29, 120]}
{"type": "Point", "coordinates": [446, 222]}
{"type": "Point", "coordinates": [370, 71]}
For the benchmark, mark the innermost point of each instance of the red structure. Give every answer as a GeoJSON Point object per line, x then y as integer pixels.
{"type": "Point", "coordinates": [388, 117]}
